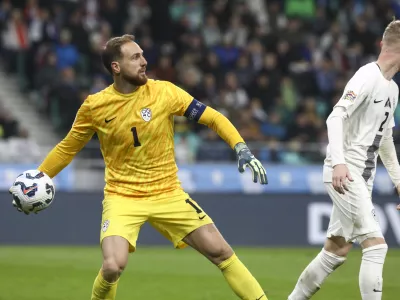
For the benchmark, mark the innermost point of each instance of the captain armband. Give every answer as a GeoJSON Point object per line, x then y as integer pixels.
{"type": "Point", "coordinates": [195, 110]}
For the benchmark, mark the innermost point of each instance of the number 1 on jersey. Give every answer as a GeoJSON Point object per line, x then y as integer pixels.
{"type": "Point", "coordinates": [136, 142]}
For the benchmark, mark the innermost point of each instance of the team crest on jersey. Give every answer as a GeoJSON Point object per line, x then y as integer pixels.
{"type": "Point", "coordinates": [350, 95]}
{"type": "Point", "coordinates": [146, 114]}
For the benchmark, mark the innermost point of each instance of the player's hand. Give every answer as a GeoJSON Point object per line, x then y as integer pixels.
{"type": "Point", "coordinates": [16, 204]}
{"type": "Point", "coordinates": [340, 178]}
{"type": "Point", "coordinates": [247, 159]}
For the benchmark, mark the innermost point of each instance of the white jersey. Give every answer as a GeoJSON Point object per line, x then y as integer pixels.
{"type": "Point", "coordinates": [369, 101]}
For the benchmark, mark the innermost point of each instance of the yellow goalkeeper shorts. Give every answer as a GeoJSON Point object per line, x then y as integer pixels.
{"type": "Point", "coordinates": [173, 217]}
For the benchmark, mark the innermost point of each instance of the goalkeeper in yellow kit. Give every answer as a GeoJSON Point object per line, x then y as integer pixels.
{"type": "Point", "coordinates": [133, 119]}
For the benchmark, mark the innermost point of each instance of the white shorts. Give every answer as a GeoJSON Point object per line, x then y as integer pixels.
{"type": "Point", "coordinates": [353, 214]}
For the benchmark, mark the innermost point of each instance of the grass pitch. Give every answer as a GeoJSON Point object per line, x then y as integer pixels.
{"type": "Point", "coordinates": [67, 273]}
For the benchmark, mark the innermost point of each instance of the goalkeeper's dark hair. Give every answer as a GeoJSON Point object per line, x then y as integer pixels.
{"type": "Point", "coordinates": [112, 50]}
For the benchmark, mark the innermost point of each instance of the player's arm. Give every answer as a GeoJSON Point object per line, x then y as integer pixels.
{"type": "Point", "coordinates": [225, 129]}
{"type": "Point", "coordinates": [186, 105]}
{"type": "Point", "coordinates": [388, 155]}
{"type": "Point", "coordinates": [62, 154]}
{"type": "Point", "coordinates": [334, 125]}
{"type": "Point", "coordinates": [355, 93]}
{"type": "Point", "coordinates": [81, 132]}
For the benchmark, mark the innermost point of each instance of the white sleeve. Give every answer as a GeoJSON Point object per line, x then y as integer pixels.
{"type": "Point", "coordinates": [334, 124]}
{"type": "Point", "coordinates": [355, 92]}
{"type": "Point", "coordinates": [388, 155]}
{"type": "Point", "coordinates": [392, 122]}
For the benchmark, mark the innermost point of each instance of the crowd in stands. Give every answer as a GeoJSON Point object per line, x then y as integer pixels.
{"type": "Point", "coordinates": [274, 68]}
{"type": "Point", "coordinates": [9, 126]}
{"type": "Point", "coordinates": [15, 144]}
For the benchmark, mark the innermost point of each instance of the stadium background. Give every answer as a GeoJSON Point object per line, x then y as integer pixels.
{"type": "Point", "coordinates": [274, 68]}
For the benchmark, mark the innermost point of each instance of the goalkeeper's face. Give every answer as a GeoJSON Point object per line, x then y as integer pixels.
{"type": "Point", "coordinates": [133, 64]}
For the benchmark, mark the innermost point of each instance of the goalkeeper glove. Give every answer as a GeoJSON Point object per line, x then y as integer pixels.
{"type": "Point", "coordinates": [247, 159]}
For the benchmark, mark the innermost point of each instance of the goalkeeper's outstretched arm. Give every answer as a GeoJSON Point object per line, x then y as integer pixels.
{"type": "Point", "coordinates": [183, 104]}
{"type": "Point", "coordinates": [222, 126]}
{"type": "Point", "coordinates": [81, 132]}
{"type": "Point", "coordinates": [225, 129]}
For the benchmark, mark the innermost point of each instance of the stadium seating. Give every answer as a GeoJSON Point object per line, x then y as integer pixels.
{"type": "Point", "coordinates": [275, 68]}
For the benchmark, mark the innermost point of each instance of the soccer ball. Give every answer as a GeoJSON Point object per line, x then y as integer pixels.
{"type": "Point", "coordinates": [32, 191]}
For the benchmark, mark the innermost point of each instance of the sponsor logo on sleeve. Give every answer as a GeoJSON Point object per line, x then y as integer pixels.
{"type": "Point", "coordinates": [350, 95]}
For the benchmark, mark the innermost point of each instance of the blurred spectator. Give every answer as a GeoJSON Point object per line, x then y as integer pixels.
{"type": "Point", "coordinates": [186, 142]}
{"type": "Point", "coordinates": [66, 52]}
{"type": "Point", "coordinates": [211, 32]}
{"type": "Point", "coordinates": [236, 96]}
{"type": "Point", "coordinates": [326, 77]}
{"type": "Point", "coordinates": [98, 84]}
{"type": "Point", "coordinates": [288, 94]}
{"type": "Point", "coordinates": [150, 50]}
{"type": "Point", "coordinates": [191, 10]}
{"type": "Point", "coordinates": [237, 32]}
{"type": "Point", "coordinates": [227, 53]}
{"type": "Point", "coordinates": [244, 72]}
{"type": "Point", "coordinates": [112, 12]}
{"type": "Point", "coordinates": [9, 127]}
{"type": "Point", "coordinates": [212, 65]}
{"type": "Point", "coordinates": [15, 41]}
{"type": "Point", "coordinates": [248, 127]}
{"type": "Point", "coordinates": [257, 110]}
{"type": "Point", "coordinates": [165, 69]}
{"type": "Point", "coordinates": [47, 75]}
{"type": "Point", "coordinates": [209, 87]}
{"type": "Point", "coordinates": [270, 69]}
{"type": "Point", "coordinates": [78, 36]}
{"type": "Point", "coordinates": [301, 130]}
{"type": "Point", "coordinates": [256, 51]}
{"type": "Point", "coordinates": [138, 12]}
{"type": "Point", "coordinates": [273, 127]}
{"type": "Point", "coordinates": [65, 99]}
{"type": "Point", "coordinates": [361, 34]}
{"type": "Point", "coordinates": [15, 144]}
{"type": "Point", "coordinates": [262, 89]}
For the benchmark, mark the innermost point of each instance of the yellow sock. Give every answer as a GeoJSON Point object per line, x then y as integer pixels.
{"type": "Point", "coordinates": [103, 290]}
{"type": "Point", "coordinates": [240, 279]}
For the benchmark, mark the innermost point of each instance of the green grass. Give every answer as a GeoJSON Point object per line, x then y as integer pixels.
{"type": "Point", "coordinates": [67, 273]}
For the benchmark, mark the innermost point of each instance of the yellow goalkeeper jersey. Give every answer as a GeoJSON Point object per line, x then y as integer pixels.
{"type": "Point", "coordinates": [136, 136]}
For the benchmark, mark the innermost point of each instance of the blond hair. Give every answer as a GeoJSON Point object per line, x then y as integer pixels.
{"type": "Point", "coordinates": [391, 34]}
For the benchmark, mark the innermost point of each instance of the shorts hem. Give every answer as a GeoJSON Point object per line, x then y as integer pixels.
{"type": "Point", "coordinates": [180, 244]}
{"type": "Point", "coordinates": [132, 246]}
{"type": "Point", "coordinates": [347, 239]}
{"type": "Point", "coordinates": [359, 238]}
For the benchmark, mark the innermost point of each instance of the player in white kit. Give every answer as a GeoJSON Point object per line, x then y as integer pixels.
{"type": "Point", "coordinates": [359, 128]}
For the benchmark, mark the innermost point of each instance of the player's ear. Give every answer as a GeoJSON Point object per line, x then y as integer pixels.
{"type": "Point", "coordinates": [381, 44]}
{"type": "Point", "coordinates": [115, 67]}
